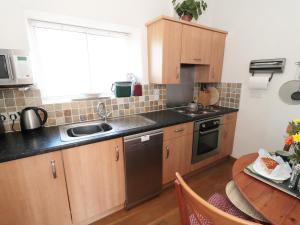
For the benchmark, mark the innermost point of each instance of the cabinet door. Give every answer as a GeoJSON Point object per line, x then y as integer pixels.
{"type": "Point", "coordinates": [177, 157]}
{"type": "Point", "coordinates": [31, 193]}
{"type": "Point", "coordinates": [95, 178]}
{"type": "Point", "coordinates": [196, 45]}
{"type": "Point", "coordinates": [217, 57]}
{"type": "Point", "coordinates": [172, 52]}
{"type": "Point", "coordinates": [227, 134]}
{"type": "Point", "coordinates": [164, 52]}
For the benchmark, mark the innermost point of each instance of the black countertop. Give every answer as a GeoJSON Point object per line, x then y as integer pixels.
{"type": "Point", "coordinates": [19, 145]}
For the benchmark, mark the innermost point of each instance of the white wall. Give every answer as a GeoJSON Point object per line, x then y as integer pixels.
{"type": "Point", "coordinates": [257, 30]}
{"type": "Point", "coordinates": [129, 12]}
{"type": "Point", "coordinates": [132, 13]}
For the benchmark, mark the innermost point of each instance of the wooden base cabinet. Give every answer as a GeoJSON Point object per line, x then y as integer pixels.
{"type": "Point", "coordinates": [33, 191]}
{"type": "Point", "coordinates": [95, 179]}
{"type": "Point", "coordinates": [227, 134]}
{"type": "Point", "coordinates": [177, 151]}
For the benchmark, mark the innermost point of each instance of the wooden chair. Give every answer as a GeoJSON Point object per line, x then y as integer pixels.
{"type": "Point", "coordinates": [191, 204]}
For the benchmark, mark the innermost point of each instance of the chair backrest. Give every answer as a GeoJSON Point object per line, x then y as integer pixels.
{"type": "Point", "coordinates": [189, 201]}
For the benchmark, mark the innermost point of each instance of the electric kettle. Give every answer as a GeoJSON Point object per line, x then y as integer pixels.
{"type": "Point", "coordinates": [31, 119]}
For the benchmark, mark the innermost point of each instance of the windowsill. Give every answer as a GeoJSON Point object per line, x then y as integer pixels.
{"type": "Point", "coordinates": [64, 99]}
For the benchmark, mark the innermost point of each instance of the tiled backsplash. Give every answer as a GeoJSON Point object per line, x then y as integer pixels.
{"type": "Point", "coordinates": [230, 93]}
{"type": "Point", "coordinates": [13, 100]}
{"type": "Point", "coordinates": [153, 99]}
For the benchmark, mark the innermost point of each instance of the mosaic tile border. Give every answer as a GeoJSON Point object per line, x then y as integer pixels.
{"type": "Point", "coordinates": [14, 100]}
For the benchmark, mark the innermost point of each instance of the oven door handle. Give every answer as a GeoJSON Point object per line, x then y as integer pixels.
{"type": "Point", "coordinates": [209, 131]}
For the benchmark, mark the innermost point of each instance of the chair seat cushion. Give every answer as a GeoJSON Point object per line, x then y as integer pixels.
{"type": "Point", "coordinates": [220, 202]}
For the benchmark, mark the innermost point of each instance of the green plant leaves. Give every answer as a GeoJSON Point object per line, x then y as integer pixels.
{"type": "Point", "coordinates": [193, 8]}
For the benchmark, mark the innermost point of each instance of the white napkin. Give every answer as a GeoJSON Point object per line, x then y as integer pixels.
{"type": "Point", "coordinates": [281, 171]}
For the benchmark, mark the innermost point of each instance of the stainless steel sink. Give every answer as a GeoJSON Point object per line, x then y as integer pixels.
{"type": "Point", "coordinates": [85, 130]}
{"type": "Point", "coordinates": [97, 128]}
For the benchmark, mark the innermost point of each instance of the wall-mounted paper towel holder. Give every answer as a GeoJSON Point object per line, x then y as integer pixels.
{"type": "Point", "coordinates": [267, 66]}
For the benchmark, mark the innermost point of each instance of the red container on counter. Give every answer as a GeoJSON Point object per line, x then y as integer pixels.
{"type": "Point", "coordinates": [137, 90]}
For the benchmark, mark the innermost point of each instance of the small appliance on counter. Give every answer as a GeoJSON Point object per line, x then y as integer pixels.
{"type": "Point", "coordinates": [137, 89]}
{"type": "Point", "coordinates": [121, 89]}
{"type": "Point", "coordinates": [15, 69]}
{"type": "Point", "coordinates": [31, 119]}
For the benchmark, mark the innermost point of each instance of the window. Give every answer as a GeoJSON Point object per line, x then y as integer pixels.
{"type": "Point", "coordinates": [75, 60]}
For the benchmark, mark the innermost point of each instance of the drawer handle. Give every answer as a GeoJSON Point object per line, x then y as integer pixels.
{"type": "Point", "coordinates": [117, 153]}
{"type": "Point", "coordinates": [53, 169]}
{"type": "Point", "coordinates": [168, 152]}
{"type": "Point", "coordinates": [179, 130]}
{"type": "Point", "coordinates": [198, 59]}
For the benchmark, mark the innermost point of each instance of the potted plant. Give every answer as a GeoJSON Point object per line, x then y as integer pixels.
{"type": "Point", "coordinates": [293, 140]}
{"type": "Point", "coordinates": [189, 9]}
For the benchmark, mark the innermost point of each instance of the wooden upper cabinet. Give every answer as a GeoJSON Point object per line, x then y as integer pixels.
{"type": "Point", "coordinates": [217, 57]}
{"type": "Point", "coordinates": [164, 52]}
{"type": "Point", "coordinates": [95, 179]}
{"type": "Point", "coordinates": [174, 42]}
{"type": "Point", "coordinates": [196, 45]}
{"type": "Point", "coordinates": [213, 73]}
{"type": "Point", "coordinates": [33, 191]}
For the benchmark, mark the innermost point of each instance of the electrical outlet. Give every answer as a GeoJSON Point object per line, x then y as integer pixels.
{"type": "Point", "coordinates": [3, 117]}
{"type": "Point", "coordinates": [13, 116]}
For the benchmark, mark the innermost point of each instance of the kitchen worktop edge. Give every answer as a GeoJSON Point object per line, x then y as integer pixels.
{"type": "Point", "coordinates": [19, 145]}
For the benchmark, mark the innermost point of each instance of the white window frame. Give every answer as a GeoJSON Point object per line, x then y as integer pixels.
{"type": "Point", "coordinates": [119, 31]}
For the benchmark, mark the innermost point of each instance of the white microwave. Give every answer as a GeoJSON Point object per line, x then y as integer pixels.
{"type": "Point", "coordinates": [15, 68]}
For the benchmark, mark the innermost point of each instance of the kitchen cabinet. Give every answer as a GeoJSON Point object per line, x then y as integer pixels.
{"type": "Point", "coordinates": [95, 179]}
{"type": "Point", "coordinates": [177, 150]}
{"type": "Point", "coordinates": [33, 191]}
{"type": "Point", "coordinates": [164, 52]}
{"type": "Point", "coordinates": [227, 134]}
{"type": "Point", "coordinates": [213, 72]}
{"type": "Point", "coordinates": [196, 45]}
{"type": "Point", "coordinates": [174, 42]}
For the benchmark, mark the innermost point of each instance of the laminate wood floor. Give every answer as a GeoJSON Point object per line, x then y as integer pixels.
{"type": "Point", "coordinates": [163, 209]}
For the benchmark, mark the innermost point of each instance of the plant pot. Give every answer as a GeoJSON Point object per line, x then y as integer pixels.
{"type": "Point", "coordinates": [187, 18]}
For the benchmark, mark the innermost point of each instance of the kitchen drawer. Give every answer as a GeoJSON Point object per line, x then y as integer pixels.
{"type": "Point", "coordinates": [178, 130]}
{"type": "Point", "coordinates": [230, 118]}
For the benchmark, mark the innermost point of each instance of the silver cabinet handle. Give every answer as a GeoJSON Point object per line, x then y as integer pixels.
{"type": "Point", "coordinates": [198, 59]}
{"type": "Point", "coordinates": [53, 168]}
{"type": "Point", "coordinates": [179, 130]}
{"type": "Point", "coordinates": [117, 153]}
{"type": "Point", "coordinates": [168, 152]}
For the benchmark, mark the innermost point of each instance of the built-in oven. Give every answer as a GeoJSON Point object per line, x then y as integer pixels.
{"type": "Point", "coordinates": [207, 135]}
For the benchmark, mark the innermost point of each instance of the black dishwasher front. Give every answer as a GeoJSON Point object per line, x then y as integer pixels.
{"type": "Point", "coordinates": [143, 166]}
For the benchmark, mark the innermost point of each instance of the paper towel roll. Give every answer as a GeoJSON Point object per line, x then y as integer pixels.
{"type": "Point", "coordinates": [256, 82]}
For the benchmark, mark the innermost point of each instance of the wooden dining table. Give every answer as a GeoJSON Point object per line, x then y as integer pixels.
{"type": "Point", "coordinates": [276, 206]}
